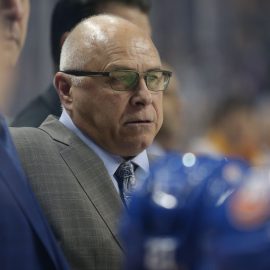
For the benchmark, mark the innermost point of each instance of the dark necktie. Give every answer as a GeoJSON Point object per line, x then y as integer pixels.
{"type": "Point", "coordinates": [126, 180]}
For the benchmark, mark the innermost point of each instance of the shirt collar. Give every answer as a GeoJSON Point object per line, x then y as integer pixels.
{"type": "Point", "coordinates": [110, 161]}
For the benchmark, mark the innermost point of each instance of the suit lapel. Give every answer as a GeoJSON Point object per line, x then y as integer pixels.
{"type": "Point", "coordinates": [17, 184]}
{"type": "Point", "coordinates": [91, 174]}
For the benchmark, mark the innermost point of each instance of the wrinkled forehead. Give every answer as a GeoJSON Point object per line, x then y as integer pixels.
{"type": "Point", "coordinates": [128, 49]}
{"type": "Point", "coordinates": [99, 45]}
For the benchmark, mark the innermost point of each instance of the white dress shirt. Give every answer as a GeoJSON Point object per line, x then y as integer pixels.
{"type": "Point", "coordinates": [110, 161]}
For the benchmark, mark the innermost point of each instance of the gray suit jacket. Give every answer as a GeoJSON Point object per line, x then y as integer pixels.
{"type": "Point", "coordinates": [75, 192]}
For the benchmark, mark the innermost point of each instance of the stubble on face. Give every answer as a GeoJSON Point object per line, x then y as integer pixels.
{"type": "Point", "coordinates": [123, 123]}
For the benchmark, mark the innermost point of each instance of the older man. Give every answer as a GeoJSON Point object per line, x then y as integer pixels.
{"type": "Point", "coordinates": [26, 241]}
{"type": "Point", "coordinates": [82, 166]}
{"type": "Point", "coordinates": [48, 102]}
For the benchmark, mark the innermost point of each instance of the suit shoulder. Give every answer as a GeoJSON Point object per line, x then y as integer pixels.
{"type": "Point", "coordinates": [29, 137]}
{"type": "Point", "coordinates": [24, 132]}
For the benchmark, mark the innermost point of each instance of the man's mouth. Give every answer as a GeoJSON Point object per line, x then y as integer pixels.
{"type": "Point", "coordinates": [12, 33]}
{"type": "Point", "coordinates": [13, 38]}
{"type": "Point", "coordinates": [138, 122]}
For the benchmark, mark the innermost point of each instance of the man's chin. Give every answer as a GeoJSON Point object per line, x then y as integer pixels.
{"type": "Point", "coordinates": [10, 53]}
{"type": "Point", "coordinates": [134, 148]}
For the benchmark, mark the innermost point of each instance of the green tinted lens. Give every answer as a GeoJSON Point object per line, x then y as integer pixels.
{"type": "Point", "coordinates": [123, 80]}
{"type": "Point", "coordinates": [157, 80]}
{"type": "Point", "coordinates": [166, 79]}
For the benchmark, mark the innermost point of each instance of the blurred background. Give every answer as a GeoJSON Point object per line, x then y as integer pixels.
{"type": "Point", "coordinates": [218, 49]}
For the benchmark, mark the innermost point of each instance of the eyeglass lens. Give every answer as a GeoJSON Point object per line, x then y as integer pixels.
{"type": "Point", "coordinates": [126, 80]}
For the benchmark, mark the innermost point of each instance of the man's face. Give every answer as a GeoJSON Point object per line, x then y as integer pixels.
{"type": "Point", "coordinates": [13, 18]}
{"type": "Point", "coordinates": [123, 123]}
{"type": "Point", "coordinates": [13, 25]}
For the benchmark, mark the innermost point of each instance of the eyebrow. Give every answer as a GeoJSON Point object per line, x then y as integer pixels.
{"type": "Point", "coordinates": [117, 67]}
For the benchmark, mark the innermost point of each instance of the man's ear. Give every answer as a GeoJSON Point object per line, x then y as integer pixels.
{"type": "Point", "coordinates": [62, 84]}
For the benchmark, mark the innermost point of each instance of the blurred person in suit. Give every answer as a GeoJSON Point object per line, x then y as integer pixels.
{"type": "Point", "coordinates": [87, 163]}
{"type": "Point", "coordinates": [26, 241]}
{"type": "Point", "coordinates": [14, 18]}
{"type": "Point", "coordinates": [48, 102]}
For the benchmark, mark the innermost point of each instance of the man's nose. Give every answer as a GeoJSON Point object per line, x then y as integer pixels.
{"type": "Point", "coordinates": [141, 95]}
{"type": "Point", "coordinates": [12, 9]}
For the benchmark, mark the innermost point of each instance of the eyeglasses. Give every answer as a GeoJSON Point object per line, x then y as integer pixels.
{"type": "Point", "coordinates": [124, 80]}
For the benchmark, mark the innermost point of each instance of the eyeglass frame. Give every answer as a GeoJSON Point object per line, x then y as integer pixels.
{"type": "Point", "coordinates": [81, 73]}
